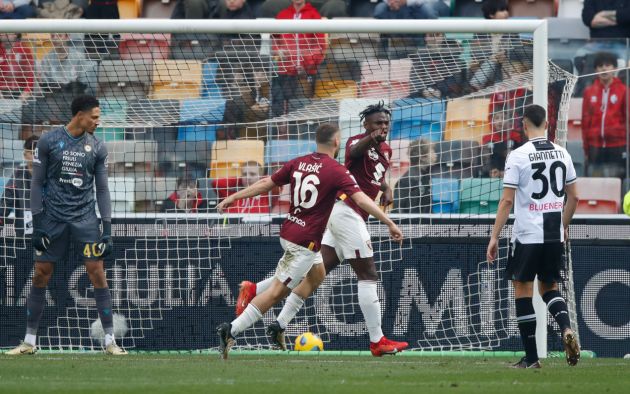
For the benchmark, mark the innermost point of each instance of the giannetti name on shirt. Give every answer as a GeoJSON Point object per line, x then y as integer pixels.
{"type": "Point", "coordinates": [549, 206]}
{"type": "Point", "coordinates": [546, 155]}
{"type": "Point", "coordinates": [310, 167]}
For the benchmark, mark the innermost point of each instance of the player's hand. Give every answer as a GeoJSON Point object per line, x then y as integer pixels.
{"type": "Point", "coordinates": [106, 244]}
{"type": "Point", "coordinates": [566, 234]}
{"type": "Point", "coordinates": [225, 204]}
{"type": "Point", "coordinates": [493, 249]}
{"type": "Point", "coordinates": [379, 135]}
{"type": "Point", "coordinates": [395, 233]}
{"type": "Point", "coordinates": [387, 198]}
{"type": "Point", "coordinates": [41, 240]}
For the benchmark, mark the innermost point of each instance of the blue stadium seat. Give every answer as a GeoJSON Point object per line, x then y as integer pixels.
{"type": "Point", "coordinates": [281, 151]}
{"type": "Point", "coordinates": [198, 119]}
{"type": "Point", "coordinates": [3, 181]}
{"type": "Point", "coordinates": [10, 119]}
{"type": "Point", "coordinates": [444, 195]}
{"type": "Point", "coordinates": [209, 87]}
{"type": "Point", "coordinates": [415, 118]}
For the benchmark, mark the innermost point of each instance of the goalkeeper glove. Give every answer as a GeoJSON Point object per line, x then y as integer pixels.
{"type": "Point", "coordinates": [106, 245]}
{"type": "Point", "coordinates": [41, 240]}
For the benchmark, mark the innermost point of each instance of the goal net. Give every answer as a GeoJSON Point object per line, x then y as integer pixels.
{"type": "Point", "coordinates": [191, 115]}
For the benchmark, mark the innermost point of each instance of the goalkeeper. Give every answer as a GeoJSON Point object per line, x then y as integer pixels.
{"type": "Point", "coordinates": [67, 163]}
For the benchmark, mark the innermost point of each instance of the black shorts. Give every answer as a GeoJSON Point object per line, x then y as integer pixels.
{"type": "Point", "coordinates": [525, 261]}
{"type": "Point", "coordinates": [86, 234]}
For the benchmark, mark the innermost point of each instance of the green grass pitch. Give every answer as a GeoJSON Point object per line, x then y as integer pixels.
{"type": "Point", "coordinates": [206, 373]}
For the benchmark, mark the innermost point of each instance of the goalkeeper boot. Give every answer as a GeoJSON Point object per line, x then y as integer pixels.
{"type": "Point", "coordinates": [524, 364]}
{"type": "Point", "coordinates": [22, 348]}
{"type": "Point", "coordinates": [226, 340]}
{"type": "Point", "coordinates": [276, 334]}
{"type": "Point", "coordinates": [246, 293]}
{"type": "Point", "coordinates": [115, 350]}
{"type": "Point", "coordinates": [571, 347]}
{"type": "Point", "coordinates": [385, 346]}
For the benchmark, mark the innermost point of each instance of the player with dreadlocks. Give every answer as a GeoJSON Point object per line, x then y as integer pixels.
{"type": "Point", "coordinates": [367, 159]}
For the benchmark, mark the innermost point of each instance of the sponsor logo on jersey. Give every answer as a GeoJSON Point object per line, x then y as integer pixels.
{"type": "Point", "coordinates": [296, 220]}
{"type": "Point", "coordinates": [87, 148]}
{"type": "Point", "coordinates": [77, 182]}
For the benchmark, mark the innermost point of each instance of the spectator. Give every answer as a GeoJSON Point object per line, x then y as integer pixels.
{"type": "Point", "coordinates": [65, 67]}
{"type": "Point", "coordinates": [16, 9]}
{"type": "Point", "coordinates": [251, 173]}
{"type": "Point", "coordinates": [186, 199]}
{"type": "Point", "coordinates": [411, 9]}
{"type": "Point", "coordinates": [61, 9]}
{"type": "Point", "coordinates": [604, 118]}
{"type": "Point", "coordinates": [298, 57]}
{"type": "Point", "coordinates": [16, 68]}
{"type": "Point", "coordinates": [196, 9]}
{"type": "Point", "coordinates": [497, 169]}
{"type": "Point", "coordinates": [17, 193]}
{"type": "Point", "coordinates": [236, 9]}
{"type": "Point", "coordinates": [413, 190]}
{"type": "Point", "coordinates": [326, 8]}
{"type": "Point", "coordinates": [102, 9]}
{"type": "Point", "coordinates": [607, 18]}
{"type": "Point", "coordinates": [495, 9]}
{"type": "Point", "coordinates": [438, 70]}
{"type": "Point", "coordinates": [252, 105]}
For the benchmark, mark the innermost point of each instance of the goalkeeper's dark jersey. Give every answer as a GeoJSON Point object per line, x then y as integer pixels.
{"type": "Point", "coordinates": [68, 167]}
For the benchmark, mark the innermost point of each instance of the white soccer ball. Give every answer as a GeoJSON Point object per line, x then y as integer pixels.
{"type": "Point", "coordinates": [627, 356]}
{"type": "Point", "coordinates": [120, 328]}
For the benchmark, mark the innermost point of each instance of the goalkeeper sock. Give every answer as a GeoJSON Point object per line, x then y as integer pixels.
{"type": "Point", "coordinates": [371, 308]}
{"type": "Point", "coordinates": [103, 300]}
{"type": "Point", "coordinates": [526, 318]}
{"type": "Point", "coordinates": [264, 285]}
{"type": "Point", "coordinates": [291, 307]}
{"type": "Point", "coordinates": [34, 309]}
{"type": "Point", "coordinates": [558, 308]}
{"type": "Point", "coordinates": [248, 318]}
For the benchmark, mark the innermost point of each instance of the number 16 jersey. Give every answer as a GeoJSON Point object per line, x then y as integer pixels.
{"type": "Point", "coordinates": [315, 180]}
{"type": "Point", "coordinates": [539, 171]}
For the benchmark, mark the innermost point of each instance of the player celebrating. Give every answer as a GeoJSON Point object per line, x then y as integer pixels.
{"type": "Point", "coordinates": [347, 237]}
{"type": "Point", "coordinates": [67, 163]}
{"type": "Point", "coordinates": [315, 180]}
{"type": "Point", "coordinates": [538, 175]}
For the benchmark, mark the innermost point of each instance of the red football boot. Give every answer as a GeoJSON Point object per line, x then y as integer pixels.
{"type": "Point", "coordinates": [385, 346]}
{"type": "Point", "coordinates": [246, 293]}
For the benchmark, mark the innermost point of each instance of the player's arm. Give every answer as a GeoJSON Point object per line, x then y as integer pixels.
{"type": "Point", "coordinates": [364, 202]}
{"type": "Point", "coordinates": [503, 213]}
{"type": "Point", "coordinates": [571, 205]}
{"type": "Point", "coordinates": [103, 199]}
{"type": "Point", "coordinates": [358, 149]}
{"type": "Point", "coordinates": [262, 186]}
{"type": "Point", "coordinates": [387, 195]}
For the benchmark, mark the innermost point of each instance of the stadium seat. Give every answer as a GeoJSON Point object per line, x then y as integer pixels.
{"type": "Point", "coordinates": [209, 84]}
{"type": "Point", "coordinates": [575, 119]}
{"type": "Point", "coordinates": [598, 195]}
{"type": "Point", "coordinates": [129, 9]}
{"type": "Point", "coordinates": [338, 89]}
{"type": "Point", "coordinates": [385, 78]}
{"type": "Point", "coordinates": [207, 192]}
{"type": "Point", "coordinates": [467, 119]}
{"type": "Point", "coordinates": [150, 192]}
{"type": "Point", "coordinates": [444, 195]}
{"type": "Point", "coordinates": [354, 46]}
{"type": "Point", "coordinates": [575, 149]}
{"type": "Point", "coordinates": [11, 152]}
{"type": "Point", "coordinates": [137, 46]}
{"type": "Point", "coordinates": [113, 119]}
{"type": "Point", "coordinates": [333, 70]}
{"type": "Point", "coordinates": [480, 195]}
{"type": "Point", "coordinates": [131, 157]}
{"type": "Point", "coordinates": [40, 43]}
{"type": "Point", "coordinates": [122, 193]}
{"type": "Point", "coordinates": [457, 159]}
{"type": "Point", "coordinates": [532, 8]}
{"type": "Point", "coordinates": [466, 8]}
{"type": "Point", "coordinates": [129, 79]}
{"type": "Point", "coordinates": [568, 28]}
{"type": "Point", "coordinates": [194, 46]}
{"type": "Point", "coordinates": [281, 151]}
{"type": "Point", "coordinates": [416, 118]}
{"type": "Point", "coordinates": [3, 182]}
{"type": "Point", "coordinates": [10, 119]}
{"type": "Point", "coordinates": [229, 156]}
{"type": "Point", "coordinates": [189, 158]}
{"type": "Point", "coordinates": [176, 79]}
{"type": "Point", "coordinates": [198, 119]}
{"type": "Point", "coordinates": [570, 9]}
{"type": "Point", "coordinates": [158, 9]}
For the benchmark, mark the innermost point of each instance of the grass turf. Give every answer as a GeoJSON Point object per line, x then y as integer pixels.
{"type": "Point", "coordinates": [154, 374]}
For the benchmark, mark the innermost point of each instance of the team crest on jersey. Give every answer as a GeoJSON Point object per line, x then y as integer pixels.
{"type": "Point", "coordinates": [372, 154]}
{"type": "Point", "coordinates": [61, 144]}
{"type": "Point", "coordinates": [87, 148]}
{"type": "Point", "coordinates": [593, 99]}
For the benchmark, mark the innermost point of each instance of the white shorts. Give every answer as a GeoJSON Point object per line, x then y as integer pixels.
{"type": "Point", "coordinates": [347, 233]}
{"type": "Point", "coordinates": [295, 263]}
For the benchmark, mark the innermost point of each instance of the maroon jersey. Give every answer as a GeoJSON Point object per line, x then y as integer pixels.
{"type": "Point", "coordinates": [368, 170]}
{"type": "Point", "coordinates": [315, 181]}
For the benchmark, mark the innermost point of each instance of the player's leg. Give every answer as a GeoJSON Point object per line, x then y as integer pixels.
{"type": "Point", "coordinates": [521, 270]}
{"type": "Point", "coordinates": [549, 275]}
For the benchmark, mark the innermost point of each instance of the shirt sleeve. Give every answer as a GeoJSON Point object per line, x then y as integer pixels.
{"type": "Point", "coordinates": [346, 183]}
{"type": "Point", "coordinates": [40, 164]}
{"type": "Point", "coordinates": [283, 175]}
{"type": "Point", "coordinates": [103, 198]}
{"type": "Point", "coordinates": [512, 172]}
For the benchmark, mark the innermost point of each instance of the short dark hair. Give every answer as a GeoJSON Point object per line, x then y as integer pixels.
{"type": "Point", "coordinates": [535, 114]}
{"type": "Point", "coordinates": [325, 133]}
{"type": "Point", "coordinates": [602, 58]}
{"type": "Point", "coordinates": [375, 109]}
{"type": "Point", "coordinates": [491, 7]}
{"type": "Point", "coordinates": [82, 103]}
{"type": "Point", "coordinates": [31, 142]}
{"type": "Point", "coordinates": [186, 182]}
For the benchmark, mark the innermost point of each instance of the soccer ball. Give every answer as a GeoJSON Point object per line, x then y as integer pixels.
{"type": "Point", "coordinates": [120, 328]}
{"type": "Point", "coordinates": [308, 342]}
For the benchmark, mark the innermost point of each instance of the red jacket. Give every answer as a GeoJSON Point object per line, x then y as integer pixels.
{"type": "Point", "coordinates": [506, 108]}
{"type": "Point", "coordinates": [302, 51]}
{"type": "Point", "coordinates": [16, 68]}
{"type": "Point", "coordinates": [228, 186]}
{"type": "Point", "coordinates": [611, 132]}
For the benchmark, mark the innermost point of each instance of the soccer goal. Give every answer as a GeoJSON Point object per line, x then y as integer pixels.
{"type": "Point", "coordinates": [193, 110]}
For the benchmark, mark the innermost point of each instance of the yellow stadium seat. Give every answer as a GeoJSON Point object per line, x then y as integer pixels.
{"type": "Point", "coordinates": [176, 79]}
{"type": "Point", "coordinates": [40, 43]}
{"type": "Point", "coordinates": [229, 156]}
{"type": "Point", "coordinates": [129, 9]}
{"type": "Point", "coordinates": [338, 89]}
{"type": "Point", "coordinates": [467, 119]}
